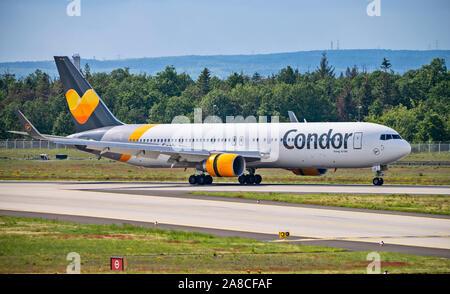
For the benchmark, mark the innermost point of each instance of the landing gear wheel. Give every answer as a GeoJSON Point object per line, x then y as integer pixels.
{"type": "Point", "coordinates": [375, 181]}
{"type": "Point", "coordinates": [378, 181]}
{"type": "Point", "coordinates": [250, 179]}
{"type": "Point", "coordinates": [193, 179]}
{"type": "Point", "coordinates": [201, 180]}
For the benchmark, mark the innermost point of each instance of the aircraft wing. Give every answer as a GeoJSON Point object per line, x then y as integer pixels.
{"type": "Point", "coordinates": [151, 150]}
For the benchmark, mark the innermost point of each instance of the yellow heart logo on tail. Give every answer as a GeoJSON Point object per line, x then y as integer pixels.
{"type": "Point", "coordinates": [82, 108]}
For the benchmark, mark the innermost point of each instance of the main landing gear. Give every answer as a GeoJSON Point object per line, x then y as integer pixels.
{"type": "Point", "coordinates": [205, 179]}
{"type": "Point", "coordinates": [378, 180]}
{"type": "Point", "coordinates": [250, 178]}
{"type": "Point", "coordinates": [201, 179]}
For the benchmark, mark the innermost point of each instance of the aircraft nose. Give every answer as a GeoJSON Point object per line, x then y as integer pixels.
{"type": "Point", "coordinates": [405, 149]}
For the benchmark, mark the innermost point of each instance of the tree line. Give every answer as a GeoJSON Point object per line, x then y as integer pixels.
{"type": "Point", "coordinates": [416, 104]}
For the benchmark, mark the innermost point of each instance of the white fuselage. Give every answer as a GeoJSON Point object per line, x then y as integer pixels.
{"type": "Point", "coordinates": [283, 145]}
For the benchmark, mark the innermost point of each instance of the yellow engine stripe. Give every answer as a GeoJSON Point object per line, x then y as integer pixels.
{"type": "Point", "coordinates": [210, 165]}
{"type": "Point", "coordinates": [137, 134]}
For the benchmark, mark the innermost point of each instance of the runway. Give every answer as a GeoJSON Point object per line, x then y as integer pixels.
{"type": "Point", "coordinates": [169, 206]}
{"type": "Point", "coordinates": [298, 188]}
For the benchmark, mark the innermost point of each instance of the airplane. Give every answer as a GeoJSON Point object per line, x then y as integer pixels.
{"type": "Point", "coordinates": [221, 149]}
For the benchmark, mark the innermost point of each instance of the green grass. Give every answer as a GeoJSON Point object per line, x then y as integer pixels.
{"type": "Point", "coordinates": [19, 166]}
{"type": "Point", "coordinates": [26, 154]}
{"type": "Point", "coordinates": [41, 246]}
{"type": "Point", "coordinates": [433, 204]}
{"type": "Point", "coordinates": [428, 156]}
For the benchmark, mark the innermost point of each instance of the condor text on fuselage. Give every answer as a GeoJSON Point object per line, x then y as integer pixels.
{"type": "Point", "coordinates": [313, 140]}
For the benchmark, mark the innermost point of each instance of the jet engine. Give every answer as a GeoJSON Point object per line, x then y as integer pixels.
{"type": "Point", "coordinates": [224, 165]}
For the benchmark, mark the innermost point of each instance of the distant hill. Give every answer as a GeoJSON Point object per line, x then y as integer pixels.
{"type": "Point", "coordinates": [265, 64]}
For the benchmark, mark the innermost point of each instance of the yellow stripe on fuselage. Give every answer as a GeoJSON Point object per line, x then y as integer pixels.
{"type": "Point", "coordinates": [137, 134]}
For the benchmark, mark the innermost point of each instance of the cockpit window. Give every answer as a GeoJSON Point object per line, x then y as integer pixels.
{"type": "Point", "coordinates": [390, 136]}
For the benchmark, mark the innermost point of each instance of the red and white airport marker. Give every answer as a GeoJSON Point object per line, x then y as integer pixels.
{"type": "Point", "coordinates": [117, 263]}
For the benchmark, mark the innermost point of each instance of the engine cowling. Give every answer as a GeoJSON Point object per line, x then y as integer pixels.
{"type": "Point", "coordinates": [224, 165]}
{"type": "Point", "coordinates": [309, 171]}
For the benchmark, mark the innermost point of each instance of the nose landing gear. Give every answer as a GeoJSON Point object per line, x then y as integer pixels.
{"type": "Point", "coordinates": [378, 180]}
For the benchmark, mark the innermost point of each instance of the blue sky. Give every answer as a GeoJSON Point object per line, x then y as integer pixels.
{"type": "Point", "coordinates": [107, 29]}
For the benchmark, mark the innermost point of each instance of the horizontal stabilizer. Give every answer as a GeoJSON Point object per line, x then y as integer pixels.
{"type": "Point", "coordinates": [29, 128]}
{"type": "Point", "coordinates": [19, 133]}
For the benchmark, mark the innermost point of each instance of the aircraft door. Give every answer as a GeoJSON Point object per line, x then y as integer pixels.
{"type": "Point", "coordinates": [357, 140]}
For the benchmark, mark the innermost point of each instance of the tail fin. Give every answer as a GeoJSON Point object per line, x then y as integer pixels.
{"type": "Point", "coordinates": [88, 110]}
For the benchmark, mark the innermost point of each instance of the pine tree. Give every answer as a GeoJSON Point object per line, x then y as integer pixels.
{"type": "Point", "coordinates": [386, 64]}
{"type": "Point", "coordinates": [87, 72]}
{"type": "Point", "coordinates": [345, 105]}
{"type": "Point", "coordinates": [256, 77]}
{"type": "Point", "coordinates": [324, 69]}
{"type": "Point", "coordinates": [287, 75]}
{"type": "Point", "coordinates": [203, 82]}
{"type": "Point", "coordinates": [366, 97]}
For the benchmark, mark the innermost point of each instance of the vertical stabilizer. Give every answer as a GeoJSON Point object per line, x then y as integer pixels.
{"type": "Point", "coordinates": [88, 110]}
